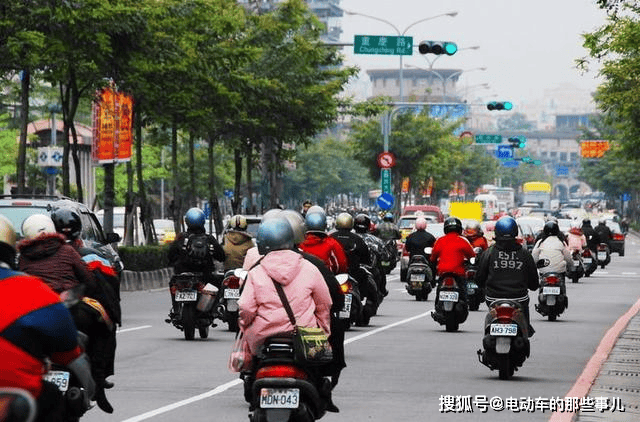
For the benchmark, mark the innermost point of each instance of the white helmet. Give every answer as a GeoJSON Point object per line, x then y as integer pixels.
{"type": "Point", "coordinates": [33, 226]}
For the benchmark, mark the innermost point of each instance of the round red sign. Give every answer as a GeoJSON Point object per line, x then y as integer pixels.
{"type": "Point", "coordinates": [386, 160]}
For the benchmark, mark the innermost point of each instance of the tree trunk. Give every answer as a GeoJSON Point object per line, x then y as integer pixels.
{"type": "Point", "coordinates": [65, 103]}
{"type": "Point", "coordinates": [191, 198]}
{"type": "Point", "coordinates": [235, 201]}
{"type": "Point", "coordinates": [109, 180]}
{"type": "Point", "coordinates": [251, 206]}
{"type": "Point", "coordinates": [176, 204]}
{"type": "Point", "coordinates": [146, 215]}
{"type": "Point", "coordinates": [24, 122]}
{"type": "Point", "coordinates": [76, 162]}
{"type": "Point", "coordinates": [130, 207]}
{"type": "Point", "coordinates": [214, 207]}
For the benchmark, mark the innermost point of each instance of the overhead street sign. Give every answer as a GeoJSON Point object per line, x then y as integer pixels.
{"type": "Point", "coordinates": [383, 44]}
{"type": "Point", "coordinates": [511, 164]}
{"type": "Point", "coordinates": [504, 152]}
{"type": "Point", "coordinates": [488, 139]}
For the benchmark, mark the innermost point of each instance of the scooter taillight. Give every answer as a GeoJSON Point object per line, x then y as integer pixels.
{"type": "Point", "coordinates": [172, 290]}
{"type": "Point", "coordinates": [449, 282]}
{"type": "Point", "coordinates": [281, 371]}
{"type": "Point", "coordinates": [505, 313]}
{"type": "Point", "coordinates": [552, 279]}
{"type": "Point", "coordinates": [470, 274]}
{"type": "Point", "coordinates": [602, 247]}
{"type": "Point", "coordinates": [586, 253]}
{"type": "Point", "coordinates": [232, 282]}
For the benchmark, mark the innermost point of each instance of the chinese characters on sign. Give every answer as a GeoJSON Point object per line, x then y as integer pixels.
{"type": "Point", "coordinates": [112, 127]}
{"type": "Point", "coordinates": [383, 44]}
{"type": "Point", "coordinates": [593, 149]}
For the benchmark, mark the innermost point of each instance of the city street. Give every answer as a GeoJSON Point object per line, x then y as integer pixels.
{"type": "Point", "coordinates": [403, 367]}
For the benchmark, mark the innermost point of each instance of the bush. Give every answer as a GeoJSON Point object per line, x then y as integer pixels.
{"type": "Point", "coordinates": [144, 258]}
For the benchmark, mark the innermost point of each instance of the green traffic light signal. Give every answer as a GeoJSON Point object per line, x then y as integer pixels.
{"type": "Point", "coordinates": [499, 105]}
{"type": "Point", "coordinates": [508, 105]}
{"type": "Point", "coordinates": [438, 47]}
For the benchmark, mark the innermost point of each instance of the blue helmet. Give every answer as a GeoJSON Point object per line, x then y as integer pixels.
{"type": "Point", "coordinates": [195, 219]}
{"type": "Point", "coordinates": [274, 234]}
{"type": "Point", "coordinates": [316, 221]}
{"type": "Point", "coordinates": [506, 228]}
{"type": "Point", "coordinates": [388, 217]}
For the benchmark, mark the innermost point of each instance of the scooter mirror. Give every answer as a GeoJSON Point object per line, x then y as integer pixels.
{"type": "Point", "coordinates": [472, 260]}
{"type": "Point", "coordinates": [428, 250]}
{"type": "Point", "coordinates": [342, 278]}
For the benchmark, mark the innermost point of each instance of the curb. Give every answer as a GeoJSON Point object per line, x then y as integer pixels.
{"type": "Point", "coordinates": [145, 280]}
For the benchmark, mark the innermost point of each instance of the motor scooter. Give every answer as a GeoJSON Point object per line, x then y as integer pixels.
{"type": "Point", "coordinates": [603, 254]}
{"type": "Point", "coordinates": [475, 294]}
{"type": "Point", "coordinates": [193, 302]}
{"type": "Point", "coordinates": [552, 296]}
{"type": "Point", "coordinates": [420, 279]}
{"type": "Point", "coordinates": [505, 345]}
{"type": "Point", "coordinates": [589, 262]}
{"type": "Point", "coordinates": [229, 294]}
{"type": "Point", "coordinates": [351, 311]}
{"type": "Point", "coordinates": [451, 310]}
{"type": "Point", "coordinates": [578, 267]}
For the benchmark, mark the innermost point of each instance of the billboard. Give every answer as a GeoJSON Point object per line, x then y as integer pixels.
{"type": "Point", "coordinates": [112, 127]}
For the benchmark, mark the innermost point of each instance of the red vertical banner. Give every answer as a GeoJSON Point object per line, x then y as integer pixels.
{"type": "Point", "coordinates": [405, 185]}
{"type": "Point", "coordinates": [430, 187]}
{"type": "Point", "coordinates": [454, 190]}
{"type": "Point", "coordinates": [124, 126]}
{"type": "Point", "coordinates": [112, 127]}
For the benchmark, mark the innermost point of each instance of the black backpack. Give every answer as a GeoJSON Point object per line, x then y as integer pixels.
{"type": "Point", "coordinates": [197, 247]}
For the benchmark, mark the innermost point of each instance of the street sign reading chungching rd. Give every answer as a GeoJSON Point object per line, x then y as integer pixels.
{"type": "Point", "coordinates": [488, 139]}
{"type": "Point", "coordinates": [383, 44]}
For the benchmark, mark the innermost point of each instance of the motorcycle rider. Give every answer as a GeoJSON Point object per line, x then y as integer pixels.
{"type": "Point", "coordinates": [553, 249]}
{"type": "Point", "coordinates": [362, 226]}
{"type": "Point", "coordinates": [475, 236]}
{"type": "Point", "coordinates": [449, 254]}
{"type": "Point", "coordinates": [305, 207]}
{"type": "Point", "coordinates": [180, 258]}
{"type": "Point", "coordinates": [34, 327]}
{"type": "Point", "coordinates": [603, 231]}
{"type": "Point", "coordinates": [317, 242]}
{"type": "Point", "coordinates": [420, 239]}
{"type": "Point", "coordinates": [576, 240]}
{"type": "Point", "coordinates": [387, 230]}
{"type": "Point", "coordinates": [236, 242]}
{"type": "Point", "coordinates": [593, 239]}
{"type": "Point", "coordinates": [506, 270]}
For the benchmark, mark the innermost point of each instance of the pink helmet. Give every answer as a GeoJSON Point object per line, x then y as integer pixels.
{"type": "Point", "coordinates": [421, 223]}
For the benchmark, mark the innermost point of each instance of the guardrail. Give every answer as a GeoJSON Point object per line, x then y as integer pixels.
{"type": "Point", "coordinates": [145, 280]}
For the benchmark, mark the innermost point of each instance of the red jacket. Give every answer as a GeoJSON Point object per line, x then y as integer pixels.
{"type": "Point", "coordinates": [327, 249]}
{"type": "Point", "coordinates": [478, 241]}
{"type": "Point", "coordinates": [450, 252]}
{"type": "Point", "coordinates": [33, 324]}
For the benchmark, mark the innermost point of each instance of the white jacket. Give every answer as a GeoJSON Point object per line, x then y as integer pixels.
{"type": "Point", "coordinates": [556, 252]}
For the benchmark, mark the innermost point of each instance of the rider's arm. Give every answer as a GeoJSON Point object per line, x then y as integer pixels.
{"type": "Point", "coordinates": [483, 267]}
{"type": "Point", "coordinates": [217, 251]}
{"type": "Point", "coordinates": [530, 270]}
{"type": "Point", "coordinates": [321, 298]}
{"type": "Point", "coordinates": [247, 304]}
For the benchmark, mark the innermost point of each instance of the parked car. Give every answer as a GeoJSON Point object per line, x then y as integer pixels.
{"type": "Point", "coordinates": [18, 207]}
{"type": "Point", "coordinates": [119, 225]}
{"type": "Point", "coordinates": [165, 230]}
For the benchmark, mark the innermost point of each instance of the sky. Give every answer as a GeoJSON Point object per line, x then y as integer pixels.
{"type": "Point", "coordinates": [527, 46]}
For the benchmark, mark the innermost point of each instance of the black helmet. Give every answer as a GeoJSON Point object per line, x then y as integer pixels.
{"type": "Point", "coordinates": [361, 223]}
{"type": "Point", "coordinates": [551, 228]}
{"type": "Point", "coordinates": [67, 222]}
{"type": "Point", "coordinates": [506, 228]}
{"type": "Point", "coordinates": [274, 234]}
{"type": "Point", "coordinates": [453, 224]}
{"type": "Point", "coordinates": [586, 222]}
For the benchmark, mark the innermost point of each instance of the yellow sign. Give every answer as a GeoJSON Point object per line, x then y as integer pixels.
{"type": "Point", "coordinates": [536, 187]}
{"type": "Point", "coordinates": [466, 210]}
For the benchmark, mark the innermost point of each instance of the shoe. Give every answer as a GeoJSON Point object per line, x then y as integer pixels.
{"type": "Point", "coordinates": [107, 384]}
{"type": "Point", "coordinates": [437, 317]}
{"type": "Point", "coordinates": [531, 331]}
{"type": "Point", "coordinates": [168, 320]}
{"type": "Point", "coordinates": [332, 407]}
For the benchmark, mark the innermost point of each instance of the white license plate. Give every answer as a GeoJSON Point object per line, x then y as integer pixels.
{"type": "Point", "coordinates": [187, 296]}
{"type": "Point", "coordinates": [417, 277]}
{"type": "Point", "coordinates": [448, 296]}
{"type": "Point", "coordinates": [279, 398]}
{"type": "Point", "coordinates": [550, 290]}
{"type": "Point", "coordinates": [232, 293]}
{"type": "Point", "coordinates": [602, 256]}
{"type": "Point", "coordinates": [576, 263]}
{"type": "Point", "coordinates": [346, 309]}
{"type": "Point", "coordinates": [59, 378]}
{"type": "Point", "coordinates": [588, 261]}
{"type": "Point", "coordinates": [503, 329]}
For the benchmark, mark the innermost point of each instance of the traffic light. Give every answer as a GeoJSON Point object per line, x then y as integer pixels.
{"type": "Point", "coordinates": [438, 47]}
{"type": "Point", "coordinates": [499, 105]}
{"type": "Point", "coordinates": [518, 142]}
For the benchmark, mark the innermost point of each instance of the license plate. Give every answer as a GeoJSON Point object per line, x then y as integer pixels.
{"type": "Point", "coordinates": [279, 398]}
{"type": "Point", "coordinates": [187, 296]}
{"type": "Point", "coordinates": [576, 263]}
{"type": "Point", "coordinates": [385, 263]}
{"type": "Point", "coordinates": [504, 329]}
{"type": "Point", "coordinates": [448, 296]}
{"type": "Point", "coordinates": [346, 309]}
{"type": "Point", "coordinates": [550, 290]}
{"type": "Point", "coordinates": [602, 256]}
{"type": "Point", "coordinates": [59, 378]}
{"type": "Point", "coordinates": [232, 293]}
{"type": "Point", "coordinates": [417, 277]}
{"type": "Point", "coordinates": [588, 261]}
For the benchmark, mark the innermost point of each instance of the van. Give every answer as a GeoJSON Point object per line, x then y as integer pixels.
{"type": "Point", "coordinates": [119, 225]}
{"type": "Point", "coordinates": [489, 205]}
{"type": "Point", "coordinates": [430, 212]}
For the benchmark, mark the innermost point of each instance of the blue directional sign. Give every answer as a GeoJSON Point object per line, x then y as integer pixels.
{"type": "Point", "coordinates": [626, 197]}
{"type": "Point", "coordinates": [385, 201]}
{"type": "Point", "coordinates": [504, 152]}
{"type": "Point", "coordinates": [562, 171]}
{"type": "Point", "coordinates": [228, 193]}
{"type": "Point", "coordinates": [511, 163]}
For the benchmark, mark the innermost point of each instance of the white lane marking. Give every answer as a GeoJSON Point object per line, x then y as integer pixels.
{"type": "Point", "coordinates": [224, 387]}
{"type": "Point", "coordinates": [219, 389]}
{"type": "Point", "coordinates": [629, 273]}
{"type": "Point", "coordinates": [124, 330]}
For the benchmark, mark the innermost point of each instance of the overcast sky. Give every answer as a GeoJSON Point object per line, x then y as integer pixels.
{"type": "Point", "coordinates": [527, 46]}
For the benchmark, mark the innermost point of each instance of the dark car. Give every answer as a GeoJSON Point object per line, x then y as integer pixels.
{"type": "Point", "coordinates": [18, 207]}
{"type": "Point", "coordinates": [617, 238]}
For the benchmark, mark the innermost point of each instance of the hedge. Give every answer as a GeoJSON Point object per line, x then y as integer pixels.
{"type": "Point", "coordinates": [144, 258]}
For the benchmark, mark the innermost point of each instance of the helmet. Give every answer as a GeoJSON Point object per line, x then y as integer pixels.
{"type": "Point", "coordinates": [344, 221]}
{"type": "Point", "coordinates": [7, 240]}
{"type": "Point", "coordinates": [273, 212]}
{"type": "Point", "coordinates": [297, 225]}
{"type": "Point", "coordinates": [586, 222]}
{"type": "Point", "coordinates": [36, 224]}
{"type": "Point", "coordinates": [421, 223]}
{"type": "Point", "coordinates": [274, 234]}
{"type": "Point", "coordinates": [315, 221]}
{"type": "Point", "coordinates": [314, 209]}
{"type": "Point", "coordinates": [551, 228]}
{"type": "Point", "coordinates": [361, 223]}
{"type": "Point", "coordinates": [506, 228]}
{"type": "Point", "coordinates": [388, 217]}
{"type": "Point", "coordinates": [453, 224]}
{"type": "Point", "coordinates": [473, 229]}
{"type": "Point", "coordinates": [67, 222]}
{"type": "Point", "coordinates": [237, 222]}
{"type": "Point", "coordinates": [194, 218]}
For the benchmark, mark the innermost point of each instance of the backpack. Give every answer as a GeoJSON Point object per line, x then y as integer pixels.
{"type": "Point", "coordinates": [197, 247]}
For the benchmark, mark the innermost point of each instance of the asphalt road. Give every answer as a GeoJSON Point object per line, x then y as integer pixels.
{"type": "Point", "coordinates": [404, 367]}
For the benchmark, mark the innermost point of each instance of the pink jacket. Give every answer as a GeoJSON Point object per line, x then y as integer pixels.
{"type": "Point", "coordinates": [576, 242]}
{"type": "Point", "coordinates": [261, 311]}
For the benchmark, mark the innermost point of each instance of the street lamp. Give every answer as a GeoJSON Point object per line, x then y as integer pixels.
{"type": "Point", "coordinates": [400, 33]}
{"type": "Point", "coordinates": [442, 78]}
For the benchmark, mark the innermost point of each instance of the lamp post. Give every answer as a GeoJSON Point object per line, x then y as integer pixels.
{"type": "Point", "coordinates": [400, 33]}
{"type": "Point", "coordinates": [442, 78]}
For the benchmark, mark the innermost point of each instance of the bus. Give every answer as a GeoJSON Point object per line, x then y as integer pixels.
{"type": "Point", "coordinates": [537, 192]}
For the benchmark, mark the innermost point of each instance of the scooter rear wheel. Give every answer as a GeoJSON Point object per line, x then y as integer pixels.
{"type": "Point", "coordinates": [552, 317]}
{"type": "Point", "coordinates": [189, 322]}
{"type": "Point", "coordinates": [505, 370]}
{"type": "Point", "coordinates": [203, 331]}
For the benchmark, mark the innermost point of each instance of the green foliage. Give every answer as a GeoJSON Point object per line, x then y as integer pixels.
{"type": "Point", "coordinates": [8, 146]}
{"type": "Point", "coordinates": [144, 258]}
